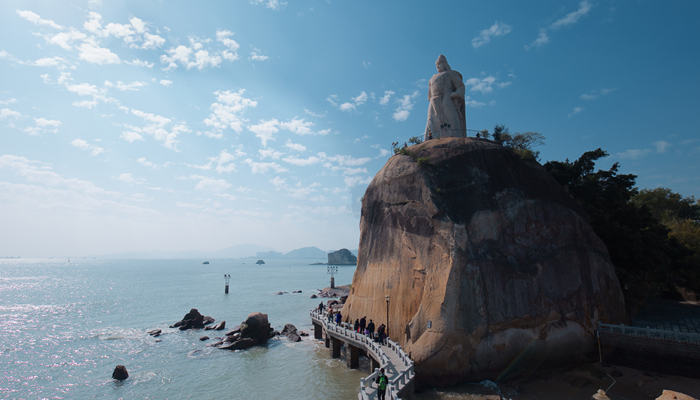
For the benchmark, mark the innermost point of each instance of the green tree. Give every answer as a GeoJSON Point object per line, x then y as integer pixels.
{"type": "Point", "coordinates": [668, 206]}
{"type": "Point", "coordinates": [647, 262]}
{"type": "Point", "coordinates": [521, 143]}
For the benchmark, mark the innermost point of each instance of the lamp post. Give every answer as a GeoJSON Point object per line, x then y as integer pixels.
{"type": "Point", "coordinates": [332, 270]}
{"type": "Point", "coordinates": [387, 314]}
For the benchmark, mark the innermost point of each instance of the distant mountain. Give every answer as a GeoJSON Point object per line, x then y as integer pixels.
{"type": "Point", "coordinates": [305, 252]}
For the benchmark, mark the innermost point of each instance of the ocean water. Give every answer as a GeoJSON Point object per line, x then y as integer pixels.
{"type": "Point", "coordinates": [64, 326]}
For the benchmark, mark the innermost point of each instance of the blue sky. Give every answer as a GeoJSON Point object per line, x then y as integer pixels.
{"type": "Point", "coordinates": [138, 126]}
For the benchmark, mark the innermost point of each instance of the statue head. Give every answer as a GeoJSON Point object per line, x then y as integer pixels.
{"type": "Point", "coordinates": [441, 64]}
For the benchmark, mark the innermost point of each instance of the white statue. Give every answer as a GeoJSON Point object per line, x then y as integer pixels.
{"type": "Point", "coordinates": [446, 111]}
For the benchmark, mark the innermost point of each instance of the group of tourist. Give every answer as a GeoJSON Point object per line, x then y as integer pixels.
{"type": "Point", "coordinates": [361, 326]}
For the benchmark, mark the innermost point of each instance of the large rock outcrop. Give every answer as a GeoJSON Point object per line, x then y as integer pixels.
{"type": "Point", "coordinates": [489, 265]}
{"type": "Point", "coordinates": [342, 257]}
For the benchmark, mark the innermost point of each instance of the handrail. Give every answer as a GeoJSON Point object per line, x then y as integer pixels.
{"type": "Point", "coordinates": [406, 373]}
{"type": "Point", "coordinates": [652, 333]}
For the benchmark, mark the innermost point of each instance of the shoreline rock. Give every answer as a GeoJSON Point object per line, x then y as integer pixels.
{"type": "Point", "coordinates": [120, 373]}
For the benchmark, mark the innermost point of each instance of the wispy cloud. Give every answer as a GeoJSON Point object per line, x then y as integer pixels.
{"type": "Point", "coordinates": [594, 94]}
{"type": "Point", "coordinates": [271, 4]}
{"type": "Point", "coordinates": [406, 103]}
{"type": "Point", "coordinates": [575, 111]}
{"type": "Point", "coordinates": [82, 144]}
{"type": "Point", "coordinates": [571, 18]}
{"type": "Point", "coordinates": [495, 30]}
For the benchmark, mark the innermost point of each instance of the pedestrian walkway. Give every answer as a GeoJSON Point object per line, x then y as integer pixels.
{"type": "Point", "coordinates": [397, 365]}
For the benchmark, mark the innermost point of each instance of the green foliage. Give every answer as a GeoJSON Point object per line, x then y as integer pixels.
{"type": "Point", "coordinates": [521, 143]}
{"type": "Point", "coordinates": [403, 150]}
{"type": "Point", "coordinates": [667, 206]}
{"type": "Point", "coordinates": [422, 161]}
{"type": "Point", "coordinates": [647, 261]}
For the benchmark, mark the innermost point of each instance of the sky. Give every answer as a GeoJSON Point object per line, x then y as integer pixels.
{"type": "Point", "coordinates": [131, 126]}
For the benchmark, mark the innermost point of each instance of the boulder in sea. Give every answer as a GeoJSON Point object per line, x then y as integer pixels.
{"type": "Point", "coordinates": [236, 329]}
{"type": "Point", "coordinates": [120, 373]}
{"type": "Point", "coordinates": [243, 343]}
{"type": "Point", "coordinates": [191, 320]}
{"type": "Point", "coordinates": [290, 331]}
{"type": "Point", "coordinates": [154, 332]}
{"type": "Point", "coordinates": [206, 320]}
{"type": "Point", "coordinates": [489, 266]}
{"type": "Point", "coordinates": [296, 291]}
{"type": "Point", "coordinates": [203, 338]}
{"type": "Point", "coordinates": [216, 327]}
{"type": "Point", "coordinates": [256, 327]}
{"type": "Point", "coordinates": [313, 296]}
{"type": "Point", "coordinates": [342, 257]}
{"type": "Point", "coordinates": [260, 262]}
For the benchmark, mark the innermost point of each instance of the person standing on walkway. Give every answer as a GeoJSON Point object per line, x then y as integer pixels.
{"type": "Point", "coordinates": [357, 325]}
{"type": "Point", "coordinates": [370, 328]}
{"type": "Point", "coordinates": [381, 332]}
{"type": "Point", "coordinates": [320, 307]}
{"type": "Point", "coordinates": [330, 315]}
{"type": "Point", "coordinates": [381, 381]}
{"type": "Point", "coordinates": [338, 318]}
{"type": "Point", "coordinates": [363, 324]}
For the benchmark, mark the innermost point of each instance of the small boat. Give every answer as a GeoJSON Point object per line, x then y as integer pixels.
{"type": "Point", "coordinates": [205, 262]}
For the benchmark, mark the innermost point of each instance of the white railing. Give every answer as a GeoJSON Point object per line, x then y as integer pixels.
{"type": "Point", "coordinates": [652, 333]}
{"type": "Point", "coordinates": [406, 372]}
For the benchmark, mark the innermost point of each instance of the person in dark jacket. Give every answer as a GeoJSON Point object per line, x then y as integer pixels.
{"type": "Point", "coordinates": [363, 324]}
{"type": "Point", "coordinates": [370, 328]}
{"type": "Point", "coordinates": [338, 317]}
{"type": "Point", "coordinates": [357, 325]}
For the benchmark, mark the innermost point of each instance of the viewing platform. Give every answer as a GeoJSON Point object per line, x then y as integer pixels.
{"type": "Point", "coordinates": [397, 365]}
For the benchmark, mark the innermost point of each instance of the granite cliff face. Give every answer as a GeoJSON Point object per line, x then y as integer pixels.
{"type": "Point", "coordinates": [489, 265]}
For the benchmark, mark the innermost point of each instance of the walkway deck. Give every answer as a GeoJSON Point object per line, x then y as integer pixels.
{"type": "Point", "coordinates": [397, 365]}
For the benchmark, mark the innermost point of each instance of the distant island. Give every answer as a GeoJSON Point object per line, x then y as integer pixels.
{"type": "Point", "coordinates": [342, 257]}
{"type": "Point", "coordinates": [260, 262]}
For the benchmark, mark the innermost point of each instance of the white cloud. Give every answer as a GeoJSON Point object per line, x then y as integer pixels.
{"type": "Point", "coordinates": [36, 19]}
{"type": "Point", "coordinates": [5, 102]}
{"type": "Point", "coordinates": [495, 30]}
{"type": "Point", "coordinates": [569, 19]}
{"type": "Point", "coordinates": [223, 163]}
{"type": "Point", "coordinates": [89, 104]}
{"type": "Point", "coordinates": [594, 94]}
{"type": "Point", "coordinates": [92, 53]}
{"type": "Point", "coordinates": [483, 85]}
{"type": "Point", "coordinates": [83, 89]}
{"type": "Point", "coordinates": [256, 55]}
{"type": "Point", "coordinates": [302, 162]}
{"type": "Point", "coordinates": [208, 184]}
{"type": "Point", "coordinates": [263, 167]}
{"type": "Point", "coordinates": [152, 41]}
{"type": "Point", "coordinates": [270, 153]}
{"type": "Point", "coordinates": [49, 62]}
{"type": "Point", "coordinates": [139, 63]}
{"type": "Point", "coordinates": [348, 105]}
{"type": "Point", "coordinates": [6, 113]}
{"type": "Point", "coordinates": [295, 146]}
{"type": "Point", "coordinates": [265, 130]}
{"type": "Point", "coordinates": [128, 177]}
{"type": "Point", "coordinates": [633, 154]}
{"type": "Point", "coordinates": [384, 100]}
{"type": "Point", "coordinates": [66, 39]}
{"type": "Point", "coordinates": [351, 181]}
{"type": "Point", "coordinates": [144, 161]}
{"type": "Point", "coordinates": [226, 112]}
{"type": "Point", "coordinates": [345, 160]}
{"type": "Point", "coordinates": [131, 87]}
{"type": "Point", "coordinates": [298, 126]}
{"type": "Point", "coordinates": [166, 82]}
{"type": "Point", "coordinates": [84, 145]}
{"type": "Point", "coordinates": [575, 111]}
{"type": "Point", "coordinates": [403, 110]}
{"type": "Point", "coordinates": [197, 56]}
{"type": "Point", "coordinates": [271, 4]}
{"type": "Point", "coordinates": [661, 146]}
{"type": "Point", "coordinates": [131, 136]}
{"type": "Point", "coordinates": [43, 125]}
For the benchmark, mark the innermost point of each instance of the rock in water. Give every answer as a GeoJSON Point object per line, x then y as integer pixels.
{"type": "Point", "coordinates": [120, 373]}
{"type": "Point", "coordinates": [191, 320]}
{"type": "Point", "coordinates": [489, 264]}
{"type": "Point", "coordinates": [256, 327]}
{"type": "Point", "coordinates": [342, 257]}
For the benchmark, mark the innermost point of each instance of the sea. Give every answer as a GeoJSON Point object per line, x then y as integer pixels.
{"type": "Point", "coordinates": [65, 324]}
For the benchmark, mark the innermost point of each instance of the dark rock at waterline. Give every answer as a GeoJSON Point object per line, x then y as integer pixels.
{"type": "Point", "coordinates": [191, 320]}
{"type": "Point", "coordinates": [256, 327]}
{"type": "Point", "coordinates": [120, 373]}
{"type": "Point", "coordinates": [216, 327]}
{"type": "Point", "coordinates": [290, 331]}
{"type": "Point", "coordinates": [313, 296]}
{"type": "Point", "coordinates": [206, 320]}
{"type": "Point", "coordinates": [154, 332]}
{"type": "Point", "coordinates": [296, 291]}
{"type": "Point", "coordinates": [236, 329]}
{"type": "Point", "coordinates": [303, 333]}
{"type": "Point", "coordinates": [203, 338]}
{"type": "Point", "coordinates": [241, 344]}
{"type": "Point", "coordinates": [232, 338]}
{"type": "Point", "coordinates": [280, 293]}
